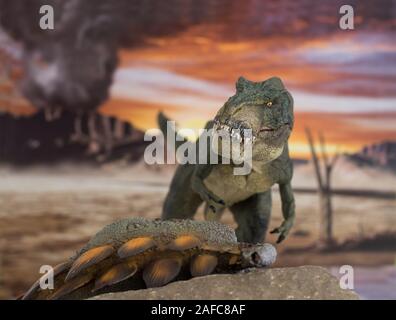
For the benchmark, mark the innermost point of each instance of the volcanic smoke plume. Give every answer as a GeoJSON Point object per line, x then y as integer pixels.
{"type": "Point", "coordinates": [71, 67]}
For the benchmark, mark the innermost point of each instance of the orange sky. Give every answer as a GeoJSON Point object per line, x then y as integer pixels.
{"type": "Point", "coordinates": [342, 131]}
{"type": "Point", "coordinates": [329, 99]}
{"type": "Point", "coordinates": [342, 84]}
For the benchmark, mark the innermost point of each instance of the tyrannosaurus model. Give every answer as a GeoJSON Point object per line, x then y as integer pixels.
{"type": "Point", "coordinates": [267, 109]}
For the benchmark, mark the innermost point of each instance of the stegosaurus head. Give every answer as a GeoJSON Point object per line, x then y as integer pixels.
{"type": "Point", "coordinates": [264, 107]}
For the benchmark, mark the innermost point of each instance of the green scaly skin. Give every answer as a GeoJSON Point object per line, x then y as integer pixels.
{"type": "Point", "coordinates": [267, 109]}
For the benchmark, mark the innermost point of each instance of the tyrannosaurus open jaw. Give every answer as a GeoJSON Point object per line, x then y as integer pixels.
{"type": "Point", "coordinates": [260, 113]}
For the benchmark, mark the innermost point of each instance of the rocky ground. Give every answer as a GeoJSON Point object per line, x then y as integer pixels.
{"type": "Point", "coordinates": [306, 282]}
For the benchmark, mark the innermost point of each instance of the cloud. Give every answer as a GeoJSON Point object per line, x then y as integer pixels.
{"type": "Point", "coordinates": [159, 86]}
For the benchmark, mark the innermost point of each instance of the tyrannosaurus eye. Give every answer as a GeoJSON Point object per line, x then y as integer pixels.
{"type": "Point", "coordinates": [269, 104]}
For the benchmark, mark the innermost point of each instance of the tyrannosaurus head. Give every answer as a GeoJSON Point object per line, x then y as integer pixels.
{"type": "Point", "coordinates": [264, 107]}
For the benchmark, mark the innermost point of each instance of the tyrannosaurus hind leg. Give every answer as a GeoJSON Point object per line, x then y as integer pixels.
{"type": "Point", "coordinates": [181, 201]}
{"type": "Point", "coordinates": [252, 216]}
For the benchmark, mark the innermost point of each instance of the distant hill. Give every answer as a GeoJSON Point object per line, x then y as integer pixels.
{"type": "Point", "coordinates": [381, 154]}
{"type": "Point", "coordinates": [33, 140]}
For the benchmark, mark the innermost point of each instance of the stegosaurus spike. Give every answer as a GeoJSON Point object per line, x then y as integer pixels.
{"type": "Point", "coordinates": [162, 271]}
{"type": "Point", "coordinates": [135, 246]}
{"type": "Point", "coordinates": [138, 253]}
{"type": "Point", "coordinates": [89, 258]}
{"type": "Point", "coordinates": [116, 274]}
{"type": "Point", "coordinates": [203, 264]}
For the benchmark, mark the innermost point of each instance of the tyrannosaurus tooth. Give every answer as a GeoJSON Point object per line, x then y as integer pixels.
{"type": "Point", "coordinates": [161, 272]}
{"type": "Point", "coordinates": [135, 246]}
{"type": "Point", "coordinates": [88, 259]}
{"type": "Point", "coordinates": [115, 275]}
{"type": "Point", "coordinates": [203, 265]}
{"type": "Point", "coordinates": [70, 286]}
{"type": "Point", "coordinates": [184, 243]}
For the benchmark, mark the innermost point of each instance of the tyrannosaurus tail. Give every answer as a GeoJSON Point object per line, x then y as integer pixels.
{"type": "Point", "coordinates": [165, 124]}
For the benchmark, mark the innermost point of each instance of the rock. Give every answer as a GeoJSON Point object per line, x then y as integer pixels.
{"type": "Point", "coordinates": [306, 282]}
{"type": "Point", "coordinates": [381, 154]}
{"type": "Point", "coordinates": [32, 139]}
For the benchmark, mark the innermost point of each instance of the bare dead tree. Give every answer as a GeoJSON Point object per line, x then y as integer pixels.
{"type": "Point", "coordinates": [324, 187]}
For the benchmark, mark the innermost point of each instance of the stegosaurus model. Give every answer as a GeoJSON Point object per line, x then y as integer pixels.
{"type": "Point", "coordinates": [138, 253]}
{"type": "Point", "coordinates": [267, 109]}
